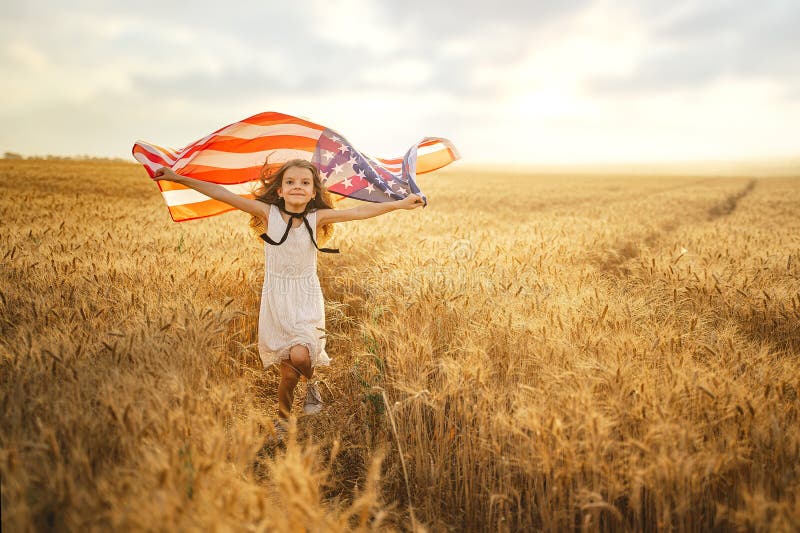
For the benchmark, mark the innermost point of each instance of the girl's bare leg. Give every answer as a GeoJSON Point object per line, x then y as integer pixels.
{"type": "Point", "coordinates": [289, 379]}
{"type": "Point", "coordinates": [299, 363]}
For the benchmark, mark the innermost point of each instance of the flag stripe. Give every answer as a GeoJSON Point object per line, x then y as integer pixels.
{"type": "Point", "coordinates": [208, 208]}
{"type": "Point", "coordinates": [425, 148]}
{"type": "Point", "coordinates": [430, 149]}
{"type": "Point", "coordinates": [165, 185]}
{"type": "Point", "coordinates": [151, 162]}
{"type": "Point", "coordinates": [190, 196]}
{"type": "Point", "coordinates": [273, 118]}
{"type": "Point", "coordinates": [158, 152]}
{"type": "Point", "coordinates": [222, 175]}
{"type": "Point", "coordinates": [434, 161]}
{"type": "Point", "coordinates": [252, 131]}
{"type": "Point", "coordinates": [235, 159]}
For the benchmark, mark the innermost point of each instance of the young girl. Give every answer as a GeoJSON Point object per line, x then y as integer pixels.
{"type": "Point", "coordinates": [292, 208]}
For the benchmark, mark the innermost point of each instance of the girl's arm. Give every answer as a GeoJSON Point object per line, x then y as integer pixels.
{"type": "Point", "coordinates": [217, 192]}
{"type": "Point", "coordinates": [331, 216]}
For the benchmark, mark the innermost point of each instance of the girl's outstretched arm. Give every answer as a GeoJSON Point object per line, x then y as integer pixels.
{"type": "Point", "coordinates": [217, 192]}
{"type": "Point", "coordinates": [331, 216]}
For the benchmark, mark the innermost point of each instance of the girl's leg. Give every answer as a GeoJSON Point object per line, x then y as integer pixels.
{"type": "Point", "coordinates": [301, 360]}
{"type": "Point", "coordinates": [299, 363]}
{"type": "Point", "coordinates": [289, 379]}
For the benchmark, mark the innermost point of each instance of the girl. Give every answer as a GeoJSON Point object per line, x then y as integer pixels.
{"type": "Point", "coordinates": [292, 208]}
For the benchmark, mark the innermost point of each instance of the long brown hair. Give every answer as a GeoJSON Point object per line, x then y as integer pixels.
{"type": "Point", "coordinates": [271, 180]}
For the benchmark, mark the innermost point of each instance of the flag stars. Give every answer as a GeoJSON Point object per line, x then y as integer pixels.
{"type": "Point", "coordinates": [347, 183]}
{"type": "Point", "coordinates": [337, 169]}
{"type": "Point", "coordinates": [370, 188]}
{"type": "Point", "coordinates": [326, 155]}
{"type": "Point", "coordinates": [343, 149]}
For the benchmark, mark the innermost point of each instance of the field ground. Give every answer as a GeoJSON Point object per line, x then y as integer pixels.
{"type": "Point", "coordinates": [549, 352]}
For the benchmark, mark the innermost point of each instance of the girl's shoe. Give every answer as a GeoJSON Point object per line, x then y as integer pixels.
{"type": "Point", "coordinates": [313, 403]}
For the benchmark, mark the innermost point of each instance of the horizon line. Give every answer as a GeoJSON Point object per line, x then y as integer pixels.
{"type": "Point", "coordinates": [773, 165]}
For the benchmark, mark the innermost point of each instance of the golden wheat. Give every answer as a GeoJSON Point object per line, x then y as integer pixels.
{"type": "Point", "coordinates": [548, 352]}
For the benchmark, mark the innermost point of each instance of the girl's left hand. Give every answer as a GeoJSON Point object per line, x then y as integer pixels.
{"type": "Point", "coordinates": [165, 173]}
{"type": "Point", "coordinates": [412, 201]}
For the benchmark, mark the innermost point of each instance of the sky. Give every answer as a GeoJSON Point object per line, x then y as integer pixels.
{"type": "Point", "coordinates": [507, 81]}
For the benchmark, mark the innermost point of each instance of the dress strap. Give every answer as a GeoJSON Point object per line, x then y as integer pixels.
{"type": "Point", "coordinates": [313, 240]}
{"type": "Point", "coordinates": [301, 216]}
{"type": "Point", "coordinates": [269, 240]}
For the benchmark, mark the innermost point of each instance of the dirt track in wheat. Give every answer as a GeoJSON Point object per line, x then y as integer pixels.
{"type": "Point", "coordinates": [556, 353]}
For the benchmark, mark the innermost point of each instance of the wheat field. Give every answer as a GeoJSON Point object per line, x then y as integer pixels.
{"type": "Point", "coordinates": [529, 352]}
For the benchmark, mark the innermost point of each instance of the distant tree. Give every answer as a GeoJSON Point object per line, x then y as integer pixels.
{"type": "Point", "coordinates": [12, 155]}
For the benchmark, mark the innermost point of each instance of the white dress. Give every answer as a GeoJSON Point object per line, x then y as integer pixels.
{"type": "Point", "coordinates": [292, 308]}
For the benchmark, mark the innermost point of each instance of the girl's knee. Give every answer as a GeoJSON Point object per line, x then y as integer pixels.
{"type": "Point", "coordinates": [300, 359]}
{"type": "Point", "coordinates": [299, 355]}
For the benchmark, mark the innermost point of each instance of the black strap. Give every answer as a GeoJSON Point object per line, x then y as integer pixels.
{"type": "Point", "coordinates": [311, 234]}
{"type": "Point", "coordinates": [301, 216]}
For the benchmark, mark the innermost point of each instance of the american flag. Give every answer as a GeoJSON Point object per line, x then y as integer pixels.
{"type": "Point", "coordinates": [234, 155]}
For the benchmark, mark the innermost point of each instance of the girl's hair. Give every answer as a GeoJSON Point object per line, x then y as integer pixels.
{"type": "Point", "coordinates": [271, 180]}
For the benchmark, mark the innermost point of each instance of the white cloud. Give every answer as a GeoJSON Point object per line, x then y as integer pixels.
{"type": "Point", "coordinates": [399, 72]}
{"type": "Point", "coordinates": [355, 24]}
{"type": "Point", "coordinates": [26, 56]}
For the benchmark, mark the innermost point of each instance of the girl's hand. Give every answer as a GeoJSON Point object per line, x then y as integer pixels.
{"type": "Point", "coordinates": [412, 201]}
{"type": "Point", "coordinates": [165, 173]}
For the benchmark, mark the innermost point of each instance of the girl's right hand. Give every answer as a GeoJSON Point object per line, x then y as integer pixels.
{"type": "Point", "coordinates": [412, 201]}
{"type": "Point", "coordinates": [165, 173]}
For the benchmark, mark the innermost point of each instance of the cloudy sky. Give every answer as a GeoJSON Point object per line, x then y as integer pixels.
{"type": "Point", "coordinates": [517, 81]}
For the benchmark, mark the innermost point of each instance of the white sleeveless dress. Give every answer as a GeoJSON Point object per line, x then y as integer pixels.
{"type": "Point", "coordinates": [292, 308]}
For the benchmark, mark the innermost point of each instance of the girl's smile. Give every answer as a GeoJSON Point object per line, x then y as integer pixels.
{"type": "Point", "coordinates": [297, 188]}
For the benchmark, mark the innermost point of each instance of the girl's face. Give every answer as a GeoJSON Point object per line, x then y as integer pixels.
{"type": "Point", "coordinates": [297, 186]}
